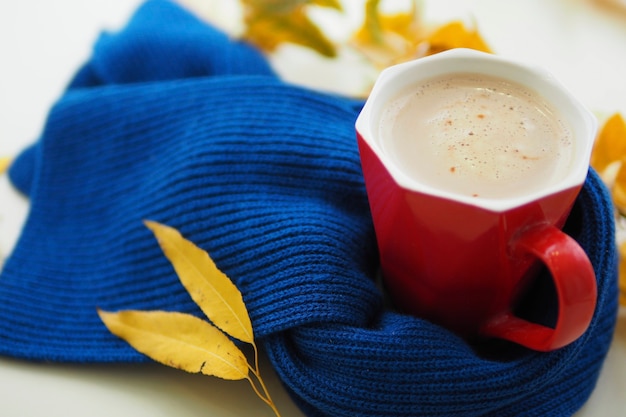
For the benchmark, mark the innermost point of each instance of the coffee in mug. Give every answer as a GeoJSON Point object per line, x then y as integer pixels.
{"type": "Point", "coordinates": [472, 163]}
{"type": "Point", "coordinates": [477, 135]}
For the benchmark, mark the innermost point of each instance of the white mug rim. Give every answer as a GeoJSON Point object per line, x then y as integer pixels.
{"type": "Point", "coordinates": [460, 60]}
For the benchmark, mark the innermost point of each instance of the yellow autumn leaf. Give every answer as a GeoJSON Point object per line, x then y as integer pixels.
{"type": "Point", "coordinates": [406, 24]}
{"type": "Point", "coordinates": [455, 35]}
{"type": "Point", "coordinates": [282, 6]}
{"type": "Point", "coordinates": [609, 160]}
{"type": "Point", "coordinates": [332, 4]}
{"type": "Point", "coordinates": [4, 164]}
{"type": "Point", "coordinates": [371, 32]}
{"type": "Point", "coordinates": [610, 146]}
{"type": "Point", "coordinates": [377, 26]}
{"type": "Point", "coordinates": [387, 39]}
{"type": "Point", "coordinates": [179, 341]}
{"type": "Point", "coordinates": [269, 23]}
{"type": "Point", "coordinates": [618, 189]}
{"type": "Point", "coordinates": [210, 288]}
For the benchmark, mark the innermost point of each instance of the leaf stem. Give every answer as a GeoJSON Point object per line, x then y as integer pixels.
{"type": "Point", "coordinates": [265, 396]}
{"type": "Point", "coordinates": [257, 372]}
{"type": "Point", "coordinates": [257, 392]}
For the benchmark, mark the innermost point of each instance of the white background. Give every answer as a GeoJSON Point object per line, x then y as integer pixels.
{"type": "Point", "coordinates": [43, 42]}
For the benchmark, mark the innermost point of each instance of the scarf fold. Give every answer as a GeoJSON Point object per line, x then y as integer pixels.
{"type": "Point", "coordinates": [170, 120]}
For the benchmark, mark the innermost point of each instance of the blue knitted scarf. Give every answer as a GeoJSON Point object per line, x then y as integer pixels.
{"type": "Point", "coordinates": [172, 121]}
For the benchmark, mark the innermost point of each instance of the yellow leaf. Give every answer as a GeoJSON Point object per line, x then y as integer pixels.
{"type": "Point", "coordinates": [609, 159]}
{"type": "Point", "coordinates": [271, 23]}
{"type": "Point", "coordinates": [180, 341]}
{"type": "Point", "coordinates": [455, 35]}
{"type": "Point", "coordinates": [210, 288]}
{"type": "Point", "coordinates": [331, 4]}
{"type": "Point", "coordinates": [406, 24]}
{"type": "Point", "coordinates": [4, 164]}
{"type": "Point", "coordinates": [282, 6]}
{"type": "Point", "coordinates": [387, 39]}
{"type": "Point", "coordinates": [371, 32]}
{"type": "Point", "coordinates": [610, 144]}
{"type": "Point", "coordinates": [618, 190]}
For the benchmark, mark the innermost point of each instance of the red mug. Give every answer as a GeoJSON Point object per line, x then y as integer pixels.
{"type": "Point", "coordinates": [464, 261]}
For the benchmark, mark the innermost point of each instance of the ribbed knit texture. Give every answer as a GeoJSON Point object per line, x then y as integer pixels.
{"type": "Point", "coordinates": [172, 121]}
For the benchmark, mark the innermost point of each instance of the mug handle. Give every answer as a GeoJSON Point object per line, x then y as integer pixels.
{"type": "Point", "coordinates": [575, 283]}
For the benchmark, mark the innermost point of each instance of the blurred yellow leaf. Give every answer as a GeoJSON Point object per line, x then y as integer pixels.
{"type": "Point", "coordinates": [609, 160]}
{"type": "Point", "coordinates": [209, 287]}
{"type": "Point", "coordinates": [333, 4]}
{"type": "Point", "coordinates": [455, 35]}
{"type": "Point", "coordinates": [618, 190]}
{"type": "Point", "coordinates": [269, 23]}
{"type": "Point", "coordinates": [610, 144]}
{"type": "Point", "coordinates": [4, 164]}
{"type": "Point", "coordinates": [386, 39]}
{"type": "Point", "coordinates": [180, 341]}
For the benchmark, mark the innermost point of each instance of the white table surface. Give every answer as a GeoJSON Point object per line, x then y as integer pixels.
{"type": "Point", "coordinates": [43, 42]}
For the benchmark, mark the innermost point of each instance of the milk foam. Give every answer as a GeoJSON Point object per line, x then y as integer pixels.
{"type": "Point", "coordinates": [476, 135]}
